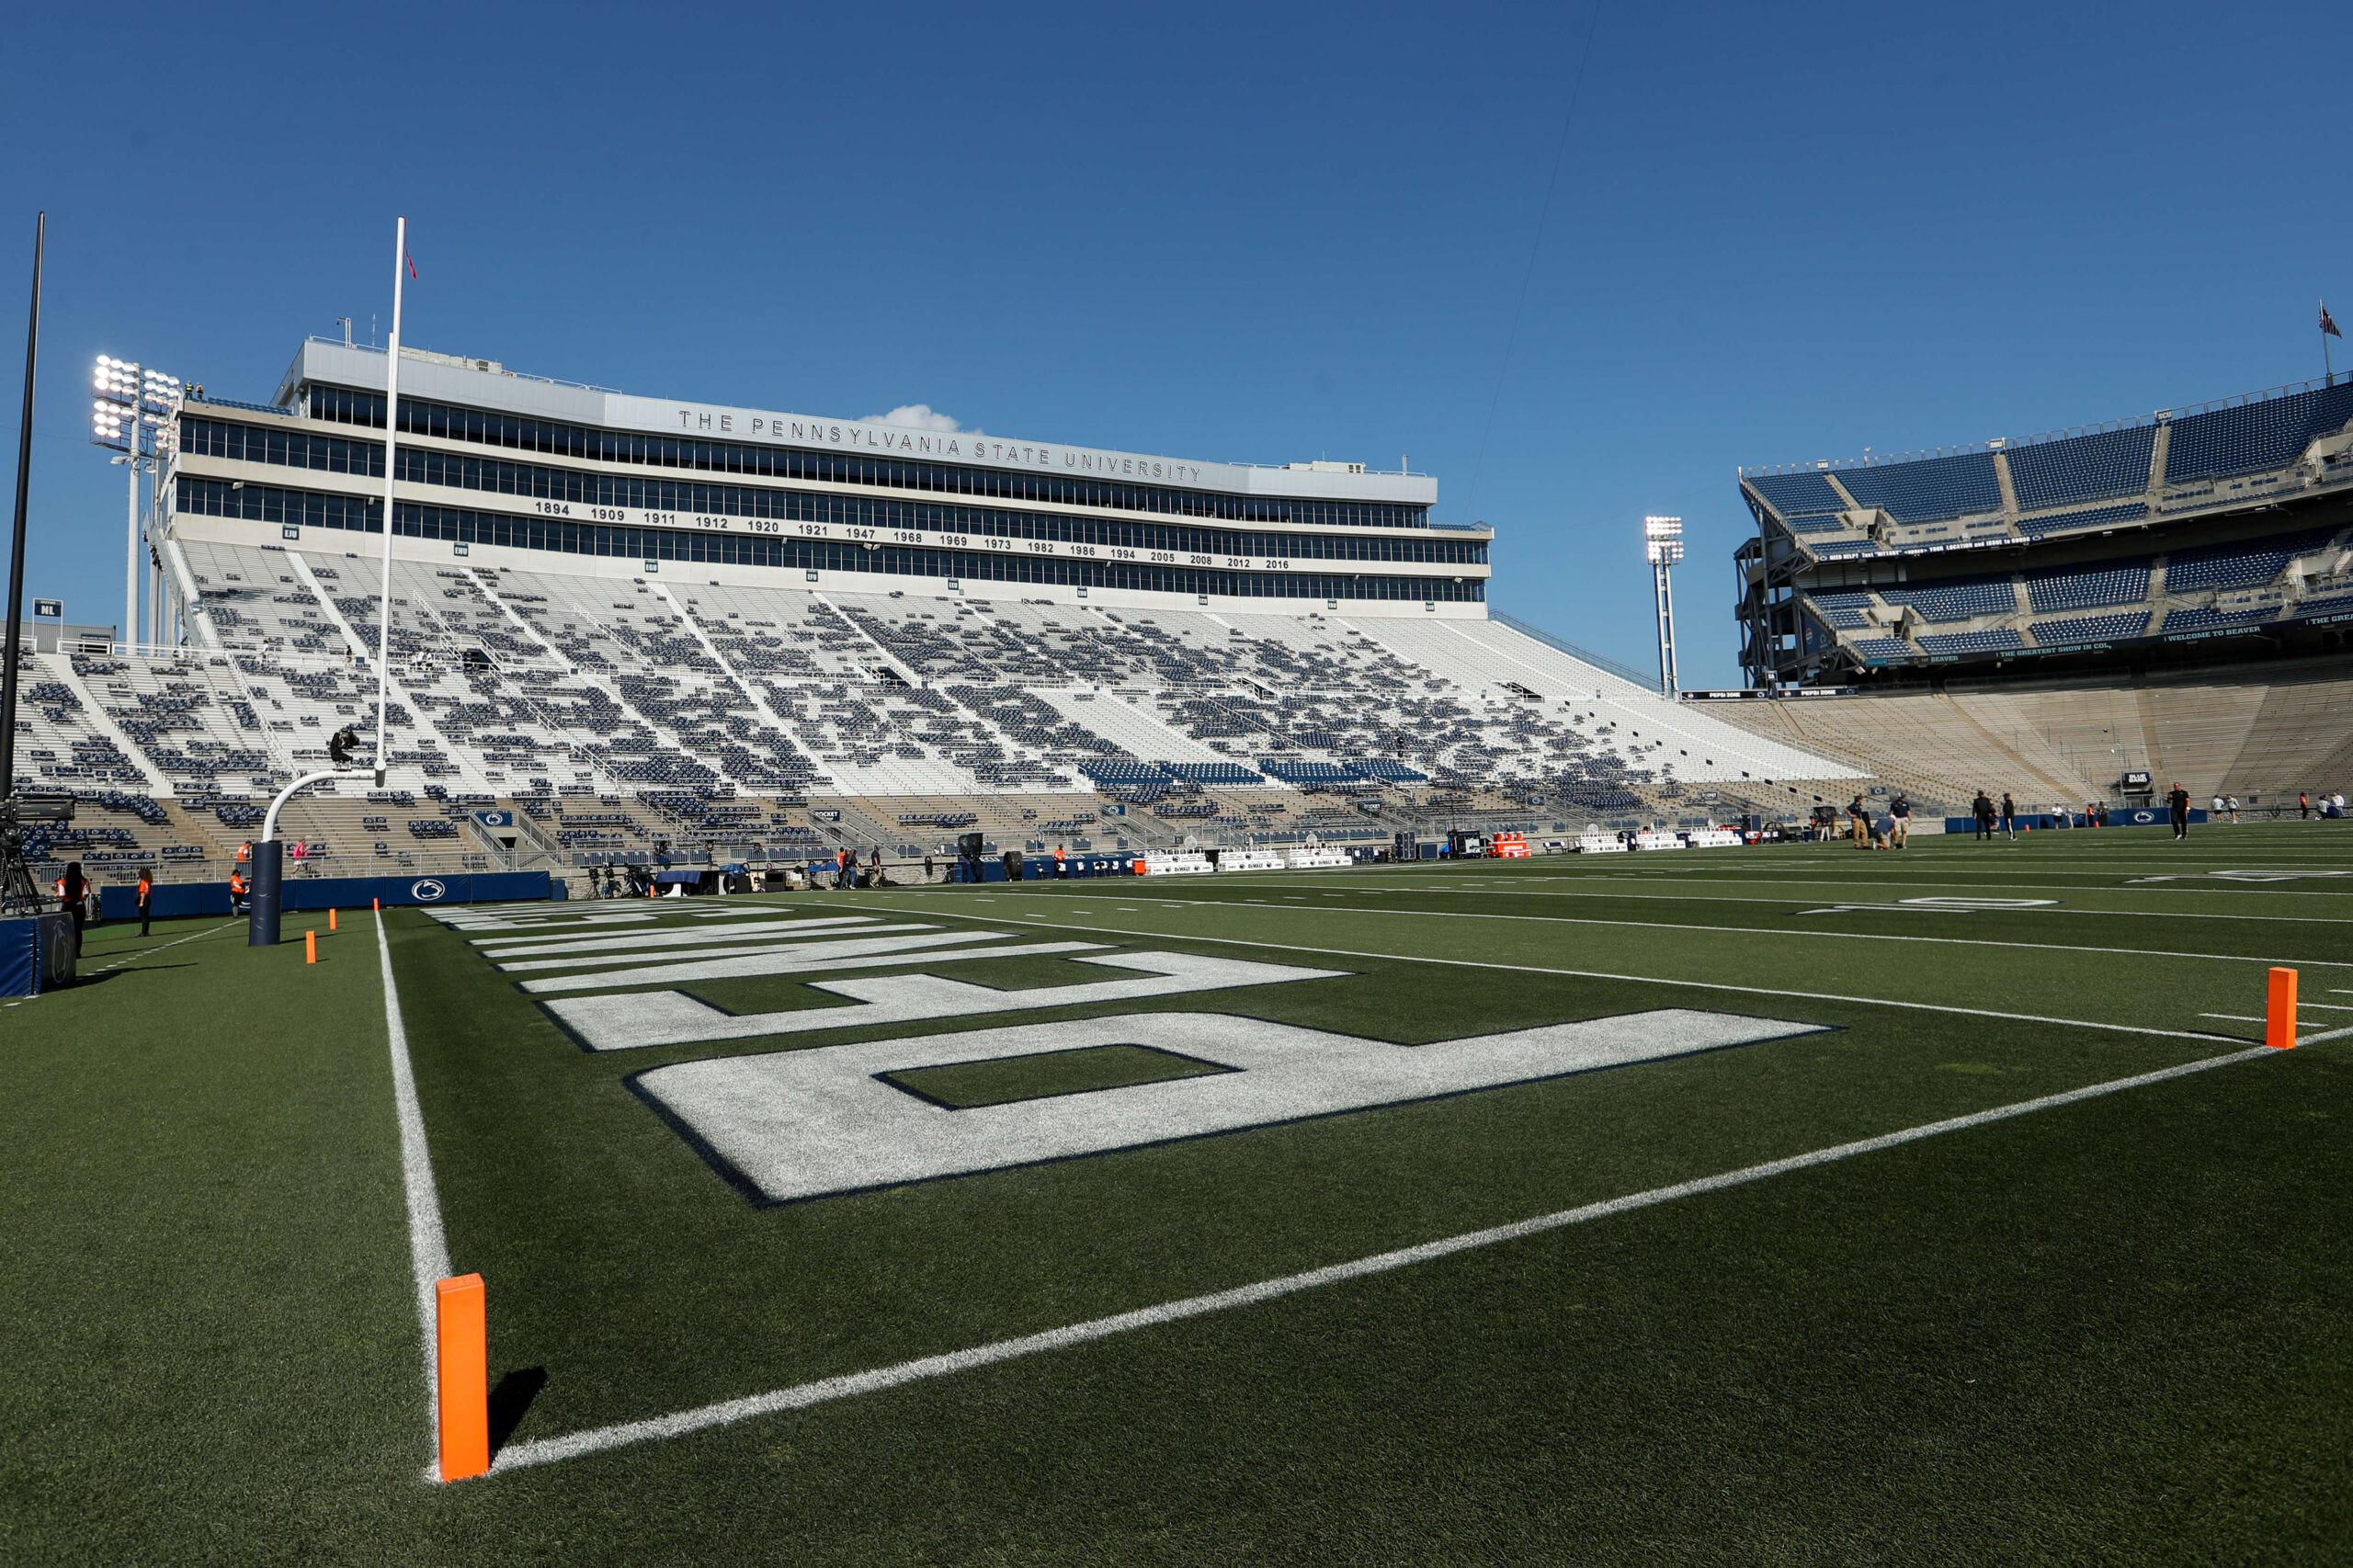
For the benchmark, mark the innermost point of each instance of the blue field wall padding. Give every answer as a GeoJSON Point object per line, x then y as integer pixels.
{"type": "Point", "coordinates": [1040, 869]}
{"type": "Point", "coordinates": [35, 954]}
{"type": "Point", "coordinates": [2136, 817]}
{"type": "Point", "coordinates": [119, 901]}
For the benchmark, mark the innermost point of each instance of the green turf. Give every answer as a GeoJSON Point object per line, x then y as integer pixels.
{"type": "Point", "coordinates": [2119, 1331]}
{"type": "Point", "coordinates": [962, 1086]}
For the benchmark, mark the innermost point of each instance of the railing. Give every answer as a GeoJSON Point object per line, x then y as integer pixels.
{"type": "Point", "coordinates": [209, 401]}
{"type": "Point", "coordinates": [502, 370]}
{"type": "Point", "coordinates": [2065, 433]}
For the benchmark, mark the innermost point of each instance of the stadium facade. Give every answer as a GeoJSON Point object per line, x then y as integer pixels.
{"type": "Point", "coordinates": [2222, 531]}
{"type": "Point", "coordinates": [523, 471]}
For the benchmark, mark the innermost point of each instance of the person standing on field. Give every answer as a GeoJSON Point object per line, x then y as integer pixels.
{"type": "Point", "coordinates": [2303, 805]}
{"type": "Point", "coordinates": [146, 898]}
{"type": "Point", "coordinates": [1983, 810]}
{"type": "Point", "coordinates": [2009, 817]}
{"type": "Point", "coordinates": [2178, 799]}
{"type": "Point", "coordinates": [1900, 813]}
{"type": "Point", "coordinates": [70, 888]}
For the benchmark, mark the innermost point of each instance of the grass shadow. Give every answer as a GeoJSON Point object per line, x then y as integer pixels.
{"type": "Point", "coordinates": [510, 1401]}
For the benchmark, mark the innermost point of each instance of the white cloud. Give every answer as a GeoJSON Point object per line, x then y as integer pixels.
{"type": "Point", "coordinates": [915, 416]}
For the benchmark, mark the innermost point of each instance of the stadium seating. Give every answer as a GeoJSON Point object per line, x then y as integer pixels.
{"type": "Point", "coordinates": [1930, 490]}
{"type": "Point", "coordinates": [2090, 629]}
{"type": "Point", "coordinates": [2081, 468]}
{"type": "Point", "coordinates": [1956, 601]}
{"type": "Point", "coordinates": [2239, 565]}
{"type": "Point", "coordinates": [2261, 733]}
{"type": "Point", "coordinates": [2203, 617]}
{"type": "Point", "coordinates": [1797, 495]}
{"type": "Point", "coordinates": [619, 717]}
{"type": "Point", "coordinates": [1971, 641]}
{"type": "Point", "coordinates": [2086, 588]}
{"type": "Point", "coordinates": [2254, 437]}
{"type": "Point", "coordinates": [2094, 516]}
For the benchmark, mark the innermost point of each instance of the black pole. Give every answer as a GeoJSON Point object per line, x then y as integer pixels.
{"type": "Point", "coordinates": [17, 546]}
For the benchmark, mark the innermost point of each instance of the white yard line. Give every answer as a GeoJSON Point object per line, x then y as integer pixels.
{"type": "Point", "coordinates": [1657, 979]}
{"type": "Point", "coordinates": [575, 1445]}
{"type": "Point", "coordinates": [1815, 935]}
{"type": "Point", "coordinates": [1881, 888]}
{"type": "Point", "coordinates": [428, 1247]}
{"type": "Point", "coordinates": [134, 960]}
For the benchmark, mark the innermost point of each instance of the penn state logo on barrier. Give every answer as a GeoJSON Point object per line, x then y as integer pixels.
{"type": "Point", "coordinates": [427, 890]}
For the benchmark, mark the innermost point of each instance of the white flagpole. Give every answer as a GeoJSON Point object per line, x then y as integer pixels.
{"type": "Point", "coordinates": [391, 449]}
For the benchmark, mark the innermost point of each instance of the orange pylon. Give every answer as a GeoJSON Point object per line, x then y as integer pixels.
{"type": "Point", "coordinates": [310, 947]}
{"type": "Point", "coordinates": [331, 920]}
{"type": "Point", "coordinates": [2280, 1017]}
{"type": "Point", "coordinates": [461, 1367]}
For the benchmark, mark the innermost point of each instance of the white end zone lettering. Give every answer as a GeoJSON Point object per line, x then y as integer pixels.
{"type": "Point", "coordinates": [800, 1124]}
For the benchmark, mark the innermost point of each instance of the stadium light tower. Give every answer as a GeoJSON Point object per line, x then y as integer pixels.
{"type": "Point", "coordinates": [1663, 541]}
{"type": "Point", "coordinates": [132, 414]}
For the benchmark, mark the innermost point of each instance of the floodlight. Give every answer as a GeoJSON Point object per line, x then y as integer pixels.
{"type": "Point", "coordinates": [1663, 545]}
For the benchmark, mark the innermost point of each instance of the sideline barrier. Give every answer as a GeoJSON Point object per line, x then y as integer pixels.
{"type": "Point", "coordinates": [2122, 816]}
{"type": "Point", "coordinates": [172, 900]}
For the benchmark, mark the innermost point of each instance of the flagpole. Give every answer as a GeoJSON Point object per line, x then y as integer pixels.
{"type": "Point", "coordinates": [17, 540]}
{"type": "Point", "coordinates": [391, 447]}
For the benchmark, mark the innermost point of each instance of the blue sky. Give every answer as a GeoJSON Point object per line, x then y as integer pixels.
{"type": "Point", "coordinates": [1253, 234]}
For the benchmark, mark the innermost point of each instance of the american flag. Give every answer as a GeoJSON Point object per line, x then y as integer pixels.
{"type": "Point", "coordinates": [2327, 321]}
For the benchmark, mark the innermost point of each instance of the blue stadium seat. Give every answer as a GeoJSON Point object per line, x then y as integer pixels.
{"type": "Point", "coordinates": [2239, 565]}
{"type": "Point", "coordinates": [1930, 490]}
{"type": "Point", "coordinates": [1956, 601]}
{"type": "Point", "coordinates": [2097, 517]}
{"type": "Point", "coordinates": [1972, 642]}
{"type": "Point", "coordinates": [2086, 587]}
{"type": "Point", "coordinates": [2204, 620]}
{"type": "Point", "coordinates": [2331, 604]}
{"type": "Point", "coordinates": [2090, 629]}
{"type": "Point", "coordinates": [2253, 437]}
{"type": "Point", "coordinates": [1882, 647]}
{"type": "Point", "coordinates": [1796, 494]}
{"type": "Point", "coordinates": [2082, 468]}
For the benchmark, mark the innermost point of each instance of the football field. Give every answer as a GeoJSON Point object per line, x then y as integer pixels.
{"type": "Point", "coordinates": [1787, 1204]}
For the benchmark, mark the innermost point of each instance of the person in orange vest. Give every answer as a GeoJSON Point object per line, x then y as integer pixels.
{"type": "Point", "coordinates": [146, 898]}
{"type": "Point", "coordinates": [236, 890]}
{"type": "Point", "coordinates": [841, 867]}
{"type": "Point", "coordinates": [245, 850]}
{"type": "Point", "coordinates": [1061, 865]}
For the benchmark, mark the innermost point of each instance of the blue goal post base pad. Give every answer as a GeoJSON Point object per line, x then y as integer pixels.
{"type": "Point", "coordinates": [35, 954]}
